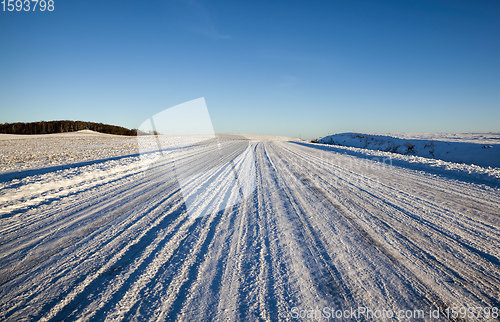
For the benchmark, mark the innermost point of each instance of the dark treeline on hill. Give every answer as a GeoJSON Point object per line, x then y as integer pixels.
{"type": "Point", "coordinates": [62, 126]}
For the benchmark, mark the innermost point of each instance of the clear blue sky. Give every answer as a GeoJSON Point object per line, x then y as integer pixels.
{"type": "Point", "coordinates": [307, 68]}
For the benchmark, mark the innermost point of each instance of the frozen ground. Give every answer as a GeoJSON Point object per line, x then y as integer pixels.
{"type": "Point", "coordinates": [481, 149]}
{"type": "Point", "coordinates": [270, 225]}
{"type": "Point", "coordinates": [26, 152]}
{"type": "Point", "coordinates": [23, 152]}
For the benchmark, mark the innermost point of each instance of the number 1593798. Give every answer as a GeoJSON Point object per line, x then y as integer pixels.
{"type": "Point", "coordinates": [27, 5]}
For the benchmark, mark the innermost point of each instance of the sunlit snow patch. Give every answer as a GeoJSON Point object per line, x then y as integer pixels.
{"type": "Point", "coordinates": [181, 128]}
{"type": "Point", "coordinates": [182, 125]}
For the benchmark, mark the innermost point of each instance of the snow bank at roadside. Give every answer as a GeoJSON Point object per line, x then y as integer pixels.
{"type": "Point", "coordinates": [460, 171]}
{"type": "Point", "coordinates": [482, 149]}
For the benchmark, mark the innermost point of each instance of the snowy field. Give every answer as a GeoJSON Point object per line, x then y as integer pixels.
{"type": "Point", "coordinates": [239, 228]}
{"type": "Point", "coordinates": [23, 152]}
{"type": "Point", "coordinates": [481, 149]}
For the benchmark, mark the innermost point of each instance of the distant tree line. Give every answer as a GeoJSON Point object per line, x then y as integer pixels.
{"type": "Point", "coordinates": [62, 126]}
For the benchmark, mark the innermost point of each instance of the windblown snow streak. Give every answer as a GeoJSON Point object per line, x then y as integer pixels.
{"type": "Point", "coordinates": [313, 229]}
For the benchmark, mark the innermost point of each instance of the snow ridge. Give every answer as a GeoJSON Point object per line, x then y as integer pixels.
{"type": "Point", "coordinates": [475, 149]}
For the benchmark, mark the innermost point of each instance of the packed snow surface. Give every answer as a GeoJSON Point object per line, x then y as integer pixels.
{"type": "Point", "coordinates": [24, 152]}
{"type": "Point", "coordinates": [481, 149]}
{"type": "Point", "coordinates": [239, 228]}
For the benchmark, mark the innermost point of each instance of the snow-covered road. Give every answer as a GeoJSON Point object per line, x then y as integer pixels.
{"type": "Point", "coordinates": [307, 229]}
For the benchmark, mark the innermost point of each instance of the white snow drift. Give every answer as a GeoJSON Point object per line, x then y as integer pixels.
{"type": "Point", "coordinates": [481, 149]}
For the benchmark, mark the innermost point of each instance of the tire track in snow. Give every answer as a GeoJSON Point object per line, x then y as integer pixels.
{"type": "Point", "coordinates": [316, 232]}
{"type": "Point", "coordinates": [428, 257]}
{"type": "Point", "coordinates": [178, 288]}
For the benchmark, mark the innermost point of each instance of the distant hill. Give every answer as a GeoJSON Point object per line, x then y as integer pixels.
{"type": "Point", "coordinates": [49, 127]}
